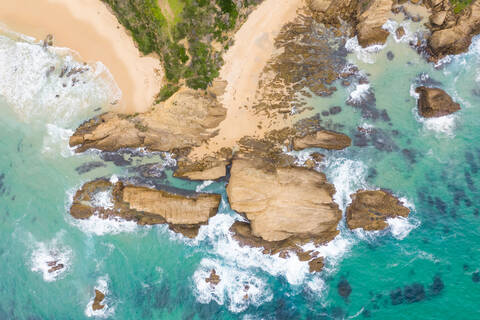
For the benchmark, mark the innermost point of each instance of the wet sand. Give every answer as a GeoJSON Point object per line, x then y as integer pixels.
{"type": "Point", "coordinates": [89, 28]}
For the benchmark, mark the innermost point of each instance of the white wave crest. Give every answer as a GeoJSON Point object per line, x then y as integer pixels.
{"type": "Point", "coordinates": [31, 84]}
{"type": "Point", "coordinates": [56, 141]}
{"type": "Point", "coordinates": [400, 227]}
{"type": "Point", "coordinates": [48, 255]}
{"type": "Point", "coordinates": [218, 235]}
{"type": "Point", "coordinates": [100, 227]}
{"type": "Point", "coordinates": [237, 288]}
{"type": "Point", "coordinates": [359, 93]}
{"type": "Point", "coordinates": [347, 176]}
{"type": "Point", "coordinates": [366, 55]}
{"type": "Point", "coordinates": [108, 310]}
{"type": "Point", "coordinates": [103, 199]}
{"type": "Point", "coordinates": [203, 185]}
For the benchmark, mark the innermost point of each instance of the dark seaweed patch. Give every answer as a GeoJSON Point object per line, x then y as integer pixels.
{"type": "Point", "coordinates": [469, 180]}
{"type": "Point", "coordinates": [396, 296]}
{"type": "Point", "coordinates": [89, 166]}
{"type": "Point", "coordinates": [2, 184]}
{"type": "Point", "coordinates": [437, 286]}
{"type": "Point", "coordinates": [476, 276]}
{"type": "Point", "coordinates": [366, 313]}
{"type": "Point", "coordinates": [410, 155]}
{"type": "Point", "coordinates": [377, 137]}
{"type": "Point", "coordinates": [440, 205]}
{"type": "Point", "coordinates": [414, 293]}
{"type": "Point", "coordinates": [372, 173]}
{"type": "Point", "coordinates": [390, 55]}
{"type": "Point", "coordinates": [325, 113]}
{"type": "Point", "coordinates": [117, 158]}
{"type": "Point", "coordinates": [344, 289]}
{"type": "Point", "coordinates": [335, 110]}
{"type": "Point", "coordinates": [410, 294]}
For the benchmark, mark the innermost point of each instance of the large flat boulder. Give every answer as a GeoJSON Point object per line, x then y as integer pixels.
{"type": "Point", "coordinates": [292, 205]}
{"type": "Point", "coordinates": [370, 210]}
{"type": "Point", "coordinates": [183, 213]}
{"type": "Point", "coordinates": [434, 102]}
{"type": "Point", "coordinates": [322, 139]}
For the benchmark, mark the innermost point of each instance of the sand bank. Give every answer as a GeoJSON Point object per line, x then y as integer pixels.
{"type": "Point", "coordinates": [88, 27]}
{"type": "Point", "coordinates": [244, 63]}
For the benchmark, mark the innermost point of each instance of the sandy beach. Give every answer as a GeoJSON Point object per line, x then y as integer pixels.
{"type": "Point", "coordinates": [244, 64]}
{"type": "Point", "coordinates": [88, 27]}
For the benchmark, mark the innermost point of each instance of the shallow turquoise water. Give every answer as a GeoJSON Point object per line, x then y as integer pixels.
{"type": "Point", "coordinates": [153, 273]}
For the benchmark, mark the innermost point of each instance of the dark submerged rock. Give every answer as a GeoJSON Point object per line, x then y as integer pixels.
{"type": "Point", "coordinates": [414, 293]}
{"type": "Point", "coordinates": [476, 276]}
{"type": "Point", "coordinates": [396, 296]}
{"type": "Point", "coordinates": [344, 289]}
{"type": "Point", "coordinates": [117, 158]}
{"type": "Point", "coordinates": [390, 55]}
{"type": "Point", "coordinates": [335, 110]}
{"type": "Point", "coordinates": [437, 286]}
{"type": "Point", "coordinates": [89, 166]}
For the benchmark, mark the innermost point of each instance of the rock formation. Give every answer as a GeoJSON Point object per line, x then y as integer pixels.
{"type": "Point", "coordinates": [366, 17]}
{"type": "Point", "coordinates": [451, 33]}
{"type": "Point", "coordinates": [182, 122]}
{"type": "Point", "coordinates": [213, 279]}
{"type": "Point", "coordinates": [184, 214]}
{"type": "Point", "coordinates": [371, 17]}
{"type": "Point", "coordinates": [55, 266]}
{"type": "Point", "coordinates": [208, 168]}
{"type": "Point", "coordinates": [322, 139]}
{"type": "Point", "coordinates": [285, 206]}
{"type": "Point", "coordinates": [434, 102]}
{"type": "Point", "coordinates": [370, 209]}
{"type": "Point", "coordinates": [99, 296]}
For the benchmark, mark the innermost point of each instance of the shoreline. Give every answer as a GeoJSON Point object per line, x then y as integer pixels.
{"type": "Point", "coordinates": [245, 61]}
{"type": "Point", "coordinates": [93, 32]}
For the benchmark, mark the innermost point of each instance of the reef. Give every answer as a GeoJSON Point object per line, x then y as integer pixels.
{"type": "Point", "coordinates": [146, 206]}
{"type": "Point", "coordinates": [369, 210]}
{"type": "Point", "coordinates": [434, 102]}
{"type": "Point", "coordinates": [97, 301]}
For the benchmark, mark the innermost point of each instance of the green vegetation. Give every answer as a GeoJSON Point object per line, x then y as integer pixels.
{"type": "Point", "coordinates": [459, 5]}
{"type": "Point", "coordinates": [181, 32]}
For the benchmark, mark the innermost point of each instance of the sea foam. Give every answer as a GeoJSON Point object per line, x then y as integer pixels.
{"type": "Point", "coordinates": [237, 288]}
{"type": "Point", "coordinates": [37, 82]}
{"type": "Point", "coordinates": [51, 252]}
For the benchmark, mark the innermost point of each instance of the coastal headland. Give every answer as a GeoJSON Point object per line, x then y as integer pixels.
{"type": "Point", "coordinates": [247, 122]}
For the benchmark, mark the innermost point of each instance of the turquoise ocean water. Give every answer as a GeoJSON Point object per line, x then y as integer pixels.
{"type": "Point", "coordinates": [423, 267]}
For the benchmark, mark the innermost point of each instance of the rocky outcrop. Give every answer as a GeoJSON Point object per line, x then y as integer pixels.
{"type": "Point", "coordinates": [208, 168]}
{"type": "Point", "coordinates": [366, 17]}
{"type": "Point", "coordinates": [55, 266]}
{"type": "Point", "coordinates": [434, 102]}
{"type": "Point", "coordinates": [213, 279]}
{"type": "Point", "coordinates": [182, 122]}
{"type": "Point", "coordinates": [285, 206]}
{"type": "Point", "coordinates": [97, 301]}
{"type": "Point", "coordinates": [372, 16]}
{"type": "Point", "coordinates": [322, 139]}
{"type": "Point", "coordinates": [451, 34]}
{"type": "Point", "coordinates": [184, 214]}
{"type": "Point", "coordinates": [369, 210]}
